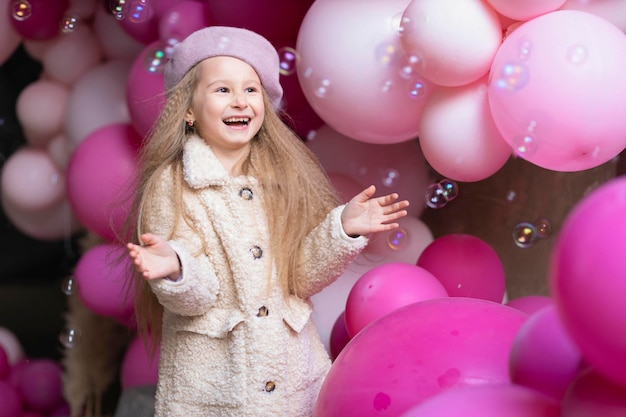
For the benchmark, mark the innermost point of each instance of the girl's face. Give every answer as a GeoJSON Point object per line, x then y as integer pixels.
{"type": "Point", "coordinates": [227, 105]}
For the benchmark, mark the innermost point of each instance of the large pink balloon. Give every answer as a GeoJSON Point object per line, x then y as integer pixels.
{"type": "Point", "coordinates": [144, 89]}
{"type": "Point", "coordinates": [419, 351]}
{"type": "Point", "coordinates": [544, 357]}
{"type": "Point", "coordinates": [99, 179]}
{"type": "Point", "coordinates": [354, 73]}
{"type": "Point", "coordinates": [593, 395]}
{"type": "Point", "coordinates": [46, 99]}
{"type": "Point", "coordinates": [525, 9]}
{"type": "Point", "coordinates": [555, 89]}
{"type": "Point", "coordinates": [458, 136]}
{"type": "Point", "coordinates": [395, 167]}
{"type": "Point", "coordinates": [487, 401]}
{"type": "Point", "coordinates": [466, 265]}
{"type": "Point", "coordinates": [386, 288]}
{"type": "Point", "coordinates": [100, 276]}
{"type": "Point", "coordinates": [138, 367]}
{"type": "Point", "coordinates": [452, 41]}
{"type": "Point", "coordinates": [612, 10]}
{"type": "Point", "coordinates": [586, 277]}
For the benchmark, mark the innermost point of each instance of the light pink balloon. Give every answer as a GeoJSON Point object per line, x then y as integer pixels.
{"type": "Point", "coordinates": [9, 37]}
{"type": "Point", "coordinates": [72, 55]}
{"type": "Point", "coordinates": [487, 401]}
{"type": "Point", "coordinates": [84, 9]}
{"type": "Point", "coordinates": [452, 41]}
{"type": "Point", "coordinates": [11, 345]}
{"type": "Point", "coordinates": [525, 9]}
{"type": "Point", "coordinates": [99, 179]}
{"type": "Point", "coordinates": [145, 96]}
{"type": "Point", "coordinates": [346, 187]}
{"type": "Point", "coordinates": [354, 73]}
{"type": "Point", "coordinates": [396, 167]}
{"type": "Point", "coordinates": [404, 244]}
{"type": "Point", "coordinates": [612, 10]}
{"type": "Point", "coordinates": [114, 41]}
{"type": "Point", "coordinates": [556, 88]}
{"type": "Point", "coordinates": [97, 100]}
{"type": "Point", "coordinates": [458, 136]}
{"type": "Point", "coordinates": [40, 108]}
{"type": "Point", "coordinates": [138, 367]}
{"type": "Point", "coordinates": [31, 181]}
{"type": "Point", "coordinates": [60, 151]}
{"type": "Point", "coordinates": [586, 277]}
{"type": "Point", "coordinates": [101, 273]}
{"type": "Point", "coordinates": [37, 49]}
{"type": "Point", "coordinates": [543, 356]}
{"type": "Point", "coordinates": [386, 288]}
{"type": "Point", "coordinates": [466, 265]}
{"type": "Point", "coordinates": [593, 395]}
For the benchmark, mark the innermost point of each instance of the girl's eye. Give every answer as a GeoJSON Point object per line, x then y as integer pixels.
{"type": "Point", "coordinates": [222, 90]}
{"type": "Point", "coordinates": [251, 89]}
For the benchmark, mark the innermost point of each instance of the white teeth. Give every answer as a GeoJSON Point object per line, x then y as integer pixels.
{"type": "Point", "coordinates": [237, 120]}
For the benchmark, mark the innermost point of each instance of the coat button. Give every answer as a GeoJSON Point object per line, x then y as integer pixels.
{"type": "Point", "coordinates": [246, 194]}
{"type": "Point", "coordinates": [256, 251]}
{"type": "Point", "coordinates": [263, 312]}
{"type": "Point", "coordinates": [270, 386]}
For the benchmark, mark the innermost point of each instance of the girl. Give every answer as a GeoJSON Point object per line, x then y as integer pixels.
{"type": "Point", "coordinates": [237, 227]}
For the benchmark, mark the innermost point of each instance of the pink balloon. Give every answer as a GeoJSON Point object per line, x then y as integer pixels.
{"type": "Point", "coordinates": [544, 357]}
{"type": "Point", "coordinates": [404, 244]}
{"type": "Point", "coordinates": [530, 304]}
{"type": "Point", "coordinates": [10, 400]}
{"type": "Point", "coordinates": [369, 93]}
{"type": "Point", "coordinates": [11, 345]}
{"type": "Point", "coordinates": [398, 167]}
{"type": "Point", "coordinates": [138, 367]}
{"type": "Point", "coordinates": [555, 88]}
{"type": "Point", "coordinates": [419, 351]}
{"type": "Point", "coordinates": [139, 20]}
{"type": "Point", "coordinates": [5, 366]}
{"type": "Point", "coordinates": [271, 18]}
{"type": "Point", "coordinates": [612, 10]}
{"type": "Point", "coordinates": [339, 336]}
{"type": "Point", "coordinates": [487, 401]}
{"type": "Point", "coordinates": [112, 38]}
{"type": "Point", "coordinates": [100, 275]}
{"type": "Point", "coordinates": [10, 39]}
{"type": "Point", "coordinates": [452, 42]}
{"type": "Point", "coordinates": [99, 179]}
{"type": "Point", "coordinates": [386, 288]}
{"type": "Point", "coordinates": [590, 244]}
{"type": "Point", "coordinates": [98, 99]}
{"type": "Point", "coordinates": [40, 107]}
{"type": "Point", "coordinates": [144, 89]}
{"type": "Point", "coordinates": [458, 136]}
{"type": "Point", "coordinates": [525, 9]}
{"type": "Point", "coordinates": [346, 186]}
{"type": "Point", "coordinates": [593, 395]}
{"type": "Point", "coordinates": [72, 55]}
{"type": "Point", "coordinates": [466, 265]}
{"type": "Point", "coordinates": [37, 19]}
{"type": "Point", "coordinates": [60, 151]}
{"type": "Point", "coordinates": [181, 20]}
{"type": "Point", "coordinates": [41, 385]}
{"type": "Point", "coordinates": [31, 181]}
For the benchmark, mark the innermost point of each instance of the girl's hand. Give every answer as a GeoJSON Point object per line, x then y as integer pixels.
{"type": "Point", "coordinates": [155, 258]}
{"type": "Point", "coordinates": [365, 214]}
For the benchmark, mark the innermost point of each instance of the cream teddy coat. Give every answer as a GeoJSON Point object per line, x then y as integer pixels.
{"type": "Point", "coordinates": [232, 345]}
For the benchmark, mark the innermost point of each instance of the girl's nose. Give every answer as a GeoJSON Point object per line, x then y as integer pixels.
{"type": "Point", "coordinates": [240, 101]}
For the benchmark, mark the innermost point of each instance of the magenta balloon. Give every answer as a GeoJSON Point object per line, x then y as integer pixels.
{"type": "Point", "coordinates": [556, 83]}
{"type": "Point", "coordinates": [182, 19]}
{"type": "Point", "coordinates": [37, 19]}
{"type": "Point", "coordinates": [144, 89]}
{"type": "Point", "coordinates": [384, 289]}
{"type": "Point", "coordinates": [41, 385]}
{"type": "Point", "coordinates": [586, 277]}
{"type": "Point", "coordinates": [5, 366]}
{"type": "Point", "coordinates": [593, 395]}
{"type": "Point", "coordinates": [100, 275]}
{"type": "Point", "coordinates": [138, 367]}
{"type": "Point", "coordinates": [544, 357]}
{"type": "Point", "coordinates": [139, 20]}
{"type": "Point", "coordinates": [418, 351]}
{"type": "Point", "coordinates": [99, 177]}
{"type": "Point", "coordinates": [10, 400]}
{"type": "Point", "coordinates": [487, 401]}
{"type": "Point", "coordinates": [339, 336]}
{"type": "Point", "coordinates": [530, 304]}
{"type": "Point", "coordinates": [466, 265]}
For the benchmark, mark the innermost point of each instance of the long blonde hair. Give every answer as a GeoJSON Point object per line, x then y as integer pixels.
{"type": "Point", "coordinates": [297, 192]}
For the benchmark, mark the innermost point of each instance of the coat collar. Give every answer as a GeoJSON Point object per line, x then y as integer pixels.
{"type": "Point", "coordinates": [201, 168]}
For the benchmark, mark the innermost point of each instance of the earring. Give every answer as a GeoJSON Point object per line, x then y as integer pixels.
{"type": "Point", "coordinates": [190, 123]}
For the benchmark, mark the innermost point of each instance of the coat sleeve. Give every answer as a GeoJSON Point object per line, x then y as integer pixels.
{"type": "Point", "coordinates": [328, 251]}
{"type": "Point", "coordinates": [196, 291]}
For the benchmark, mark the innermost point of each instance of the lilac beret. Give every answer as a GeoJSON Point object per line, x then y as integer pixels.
{"type": "Point", "coordinates": [239, 43]}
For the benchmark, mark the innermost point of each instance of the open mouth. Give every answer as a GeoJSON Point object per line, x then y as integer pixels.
{"type": "Point", "coordinates": [237, 121]}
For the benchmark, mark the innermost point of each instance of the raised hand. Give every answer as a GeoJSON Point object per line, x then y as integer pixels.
{"type": "Point", "coordinates": [155, 258]}
{"type": "Point", "coordinates": [365, 214]}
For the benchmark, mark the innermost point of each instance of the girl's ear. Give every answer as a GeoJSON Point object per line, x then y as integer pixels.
{"type": "Point", "coordinates": [189, 114]}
